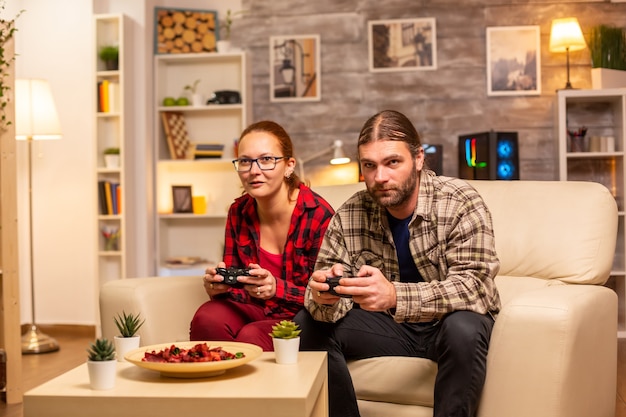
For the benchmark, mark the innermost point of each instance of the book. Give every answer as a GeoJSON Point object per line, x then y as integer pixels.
{"type": "Point", "coordinates": [102, 197]}
{"type": "Point", "coordinates": [109, 200]}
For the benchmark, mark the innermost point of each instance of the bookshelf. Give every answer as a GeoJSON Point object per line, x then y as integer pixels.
{"type": "Point", "coordinates": [600, 158]}
{"type": "Point", "coordinates": [112, 132]}
{"type": "Point", "coordinates": [214, 182]}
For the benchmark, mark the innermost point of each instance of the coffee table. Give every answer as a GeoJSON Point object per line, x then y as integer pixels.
{"type": "Point", "coordinates": [259, 388]}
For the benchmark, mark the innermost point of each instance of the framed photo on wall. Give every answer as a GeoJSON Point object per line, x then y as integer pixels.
{"type": "Point", "coordinates": [402, 45]}
{"type": "Point", "coordinates": [184, 31]}
{"type": "Point", "coordinates": [182, 199]}
{"type": "Point", "coordinates": [295, 68]}
{"type": "Point", "coordinates": [513, 61]}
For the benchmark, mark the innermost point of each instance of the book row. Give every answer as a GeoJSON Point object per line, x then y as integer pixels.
{"type": "Point", "coordinates": [109, 197]}
{"type": "Point", "coordinates": [108, 96]}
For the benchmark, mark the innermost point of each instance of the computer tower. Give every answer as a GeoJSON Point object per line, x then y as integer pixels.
{"type": "Point", "coordinates": [489, 156]}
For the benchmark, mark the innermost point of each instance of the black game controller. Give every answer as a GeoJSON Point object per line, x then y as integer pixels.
{"type": "Point", "coordinates": [230, 276]}
{"type": "Point", "coordinates": [332, 283]}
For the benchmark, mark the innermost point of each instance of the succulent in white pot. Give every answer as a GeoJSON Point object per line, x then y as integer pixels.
{"type": "Point", "coordinates": [128, 325]}
{"type": "Point", "coordinates": [101, 364]}
{"type": "Point", "coordinates": [286, 339]}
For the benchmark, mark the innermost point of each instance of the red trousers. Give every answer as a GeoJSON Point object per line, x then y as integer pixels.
{"type": "Point", "coordinates": [227, 320]}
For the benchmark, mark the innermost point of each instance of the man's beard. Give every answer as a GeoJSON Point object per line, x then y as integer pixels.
{"type": "Point", "coordinates": [398, 195]}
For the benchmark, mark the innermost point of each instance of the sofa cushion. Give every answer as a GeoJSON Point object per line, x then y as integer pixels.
{"type": "Point", "coordinates": [394, 379]}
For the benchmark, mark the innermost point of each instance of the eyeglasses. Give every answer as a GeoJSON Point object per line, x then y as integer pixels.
{"type": "Point", "coordinates": [265, 163]}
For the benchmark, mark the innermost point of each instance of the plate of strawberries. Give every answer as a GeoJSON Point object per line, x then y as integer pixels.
{"type": "Point", "coordinates": [193, 359]}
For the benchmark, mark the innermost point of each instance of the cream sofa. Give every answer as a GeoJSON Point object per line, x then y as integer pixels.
{"type": "Point", "coordinates": [553, 351]}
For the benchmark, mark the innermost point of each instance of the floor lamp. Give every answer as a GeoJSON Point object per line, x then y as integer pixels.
{"type": "Point", "coordinates": [35, 119]}
{"type": "Point", "coordinates": [339, 157]}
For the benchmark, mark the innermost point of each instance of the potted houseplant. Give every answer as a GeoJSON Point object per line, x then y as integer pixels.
{"type": "Point", "coordinates": [286, 339]}
{"type": "Point", "coordinates": [128, 339]}
{"type": "Point", "coordinates": [196, 97]}
{"type": "Point", "coordinates": [112, 157]}
{"type": "Point", "coordinates": [223, 44]}
{"type": "Point", "coordinates": [607, 46]}
{"type": "Point", "coordinates": [101, 364]}
{"type": "Point", "coordinates": [109, 54]}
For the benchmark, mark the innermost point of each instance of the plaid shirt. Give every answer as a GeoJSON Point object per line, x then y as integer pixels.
{"type": "Point", "coordinates": [451, 240]}
{"type": "Point", "coordinates": [309, 221]}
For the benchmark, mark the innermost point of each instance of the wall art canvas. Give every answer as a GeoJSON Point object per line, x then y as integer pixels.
{"type": "Point", "coordinates": [513, 61]}
{"type": "Point", "coordinates": [295, 68]}
{"type": "Point", "coordinates": [402, 45]}
{"type": "Point", "coordinates": [183, 31]}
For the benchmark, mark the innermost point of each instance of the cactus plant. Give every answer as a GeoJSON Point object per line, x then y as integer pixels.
{"type": "Point", "coordinates": [128, 324]}
{"type": "Point", "coordinates": [285, 329]}
{"type": "Point", "coordinates": [101, 350]}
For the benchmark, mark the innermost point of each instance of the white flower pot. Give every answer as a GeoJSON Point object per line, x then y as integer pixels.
{"type": "Point", "coordinates": [102, 374]}
{"type": "Point", "coordinates": [286, 350]}
{"type": "Point", "coordinates": [607, 78]}
{"type": "Point", "coordinates": [124, 345]}
{"type": "Point", "coordinates": [112, 161]}
{"type": "Point", "coordinates": [197, 100]}
{"type": "Point", "coordinates": [223, 46]}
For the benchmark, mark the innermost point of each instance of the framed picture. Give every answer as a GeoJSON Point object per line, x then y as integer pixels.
{"type": "Point", "coordinates": [184, 31]}
{"type": "Point", "coordinates": [513, 61]}
{"type": "Point", "coordinates": [175, 129]}
{"type": "Point", "coordinates": [181, 196]}
{"type": "Point", "coordinates": [295, 68]}
{"type": "Point", "coordinates": [402, 45]}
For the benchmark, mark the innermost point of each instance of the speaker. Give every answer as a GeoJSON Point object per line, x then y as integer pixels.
{"type": "Point", "coordinates": [489, 156]}
{"type": "Point", "coordinates": [433, 158]}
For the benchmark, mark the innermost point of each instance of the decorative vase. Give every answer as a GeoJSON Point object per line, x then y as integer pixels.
{"type": "Point", "coordinates": [123, 345]}
{"type": "Point", "coordinates": [197, 100]}
{"type": "Point", "coordinates": [286, 350]}
{"type": "Point", "coordinates": [102, 374]}
{"type": "Point", "coordinates": [112, 161]}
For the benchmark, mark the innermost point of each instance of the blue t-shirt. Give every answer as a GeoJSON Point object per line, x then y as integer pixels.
{"type": "Point", "coordinates": [400, 232]}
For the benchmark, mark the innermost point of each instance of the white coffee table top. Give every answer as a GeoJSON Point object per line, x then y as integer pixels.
{"type": "Point", "coordinates": [259, 388]}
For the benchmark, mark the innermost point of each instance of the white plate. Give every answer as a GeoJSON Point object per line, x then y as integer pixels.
{"type": "Point", "coordinates": [195, 369]}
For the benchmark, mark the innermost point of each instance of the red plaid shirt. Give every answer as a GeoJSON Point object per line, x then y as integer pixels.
{"type": "Point", "coordinates": [309, 221]}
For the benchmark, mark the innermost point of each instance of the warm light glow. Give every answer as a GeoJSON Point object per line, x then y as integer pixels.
{"type": "Point", "coordinates": [35, 113]}
{"type": "Point", "coordinates": [339, 156]}
{"type": "Point", "coordinates": [566, 34]}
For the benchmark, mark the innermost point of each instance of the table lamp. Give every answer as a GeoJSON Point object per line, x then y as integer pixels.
{"type": "Point", "coordinates": [566, 36]}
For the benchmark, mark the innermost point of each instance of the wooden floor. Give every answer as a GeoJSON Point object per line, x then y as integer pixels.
{"type": "Point", "coordinates": [40, 368]}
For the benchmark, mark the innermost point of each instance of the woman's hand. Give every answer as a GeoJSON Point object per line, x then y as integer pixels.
{"type": "Point", "coordinates": [260, 283]}
{"type": "Point", "coordinates": [212, 281]}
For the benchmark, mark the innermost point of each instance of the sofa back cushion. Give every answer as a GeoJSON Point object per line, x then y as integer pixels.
{"type": "Point", "coordinates": [552, 230]}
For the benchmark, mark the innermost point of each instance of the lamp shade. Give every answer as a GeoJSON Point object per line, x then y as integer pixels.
{"type": "Point", "coordinates": [339, 156]}
{"type": "Point", "coordinates": [565, 35]}
{"type": "Point", "coordinates": [35, 113]}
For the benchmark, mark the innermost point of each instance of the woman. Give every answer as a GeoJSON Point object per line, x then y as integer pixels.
{"type": "Point", "coordinates": [275, 230]}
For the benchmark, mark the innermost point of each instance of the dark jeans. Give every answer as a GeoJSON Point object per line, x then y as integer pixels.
{"type": "Point", "coordinates": [458, 344]}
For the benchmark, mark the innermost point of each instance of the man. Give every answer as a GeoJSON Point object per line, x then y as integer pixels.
{"type": "Point", "coordinates": [416, 254]}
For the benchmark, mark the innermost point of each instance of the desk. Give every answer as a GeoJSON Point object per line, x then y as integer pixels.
{"type": "Point", "coordinates": [259, 388]}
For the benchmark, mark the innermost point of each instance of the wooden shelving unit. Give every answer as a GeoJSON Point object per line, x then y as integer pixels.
{"type": "Point", "coordinates": [602, 159]}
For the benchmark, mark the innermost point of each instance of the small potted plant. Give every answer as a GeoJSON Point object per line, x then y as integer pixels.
{"type": "Point", "coordinates": [286, 339]}
{"type": "Point", "coordinates": [101, 364]}
{"type": "Point", "coordinates": [196, 97]}
{"type": "Point", "coordinates": [607, 46]}
{"type": "Point", "coordinates": [223, 44]}
{"type": "Point", "coordinates": [112, 157]}
{"type": "Point", "coordinates": [109, 54]}
{"type": "Point", "coordinates": [128, 339]}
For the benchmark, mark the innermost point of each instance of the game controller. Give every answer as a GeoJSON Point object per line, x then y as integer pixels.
{"type": "Point", "coordinates": [230, 276]}
{"type": "Point", "coordinates": [332, 283]}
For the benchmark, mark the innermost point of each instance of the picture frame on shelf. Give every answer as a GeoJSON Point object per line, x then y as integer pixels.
{"type": "Point", "coordinates": [175, 128]}
{"type": "Point", "coordinates": [402, 45]}
{"type": "Point", "coordinates": [513, 60]}
{"type": "Point", "coordinates": [179, 31]}
{"type": "Point", "coordinates": [295, 73]}
{"type": "Point", "coordinates": [182, 199]}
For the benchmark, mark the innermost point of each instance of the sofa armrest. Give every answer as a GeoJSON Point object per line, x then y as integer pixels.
{"type": "Point", "coordinates": [553, 353]}
{"type": "Point", "coordinates": [166, 303]}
